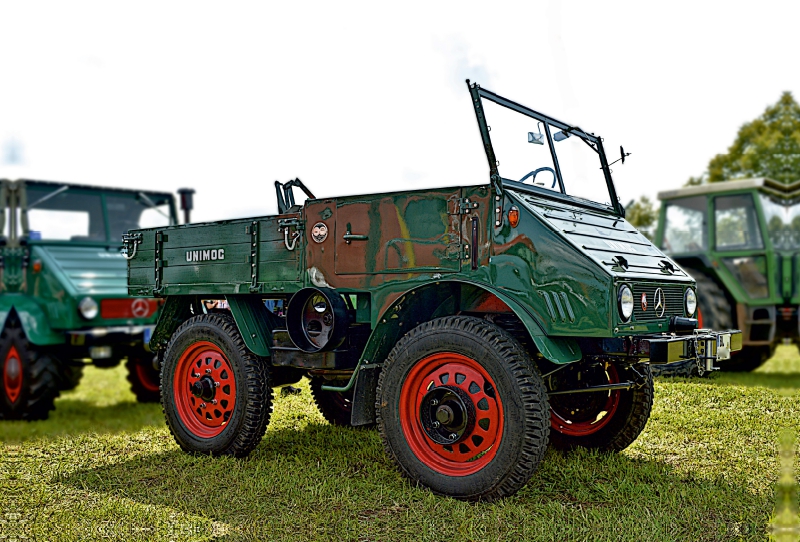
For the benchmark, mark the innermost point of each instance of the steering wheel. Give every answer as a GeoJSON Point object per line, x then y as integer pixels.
{"type": "Point", "coordinates": [536, 171]}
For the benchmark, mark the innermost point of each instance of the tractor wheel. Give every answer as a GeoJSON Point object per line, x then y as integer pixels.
{"type": "Point", "coordinates": [144, 378]}
{"type": "Point", "coordinates": [69, 376]}
{"type": "Point", "coordinates": [462, 410]}
{"type": "Point", "coordinates": [604, 420]}
{"type": "Point", "coordinates": [336, 407]}
{"type": "Point", "coordinates": [713, 312]}
{"type": "Point", "coordinates": [216, 394]}
{"type": "Point", "coordinates": [30, 379]}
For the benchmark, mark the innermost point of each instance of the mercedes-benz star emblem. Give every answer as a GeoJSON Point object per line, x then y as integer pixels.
{"type": "Point", "coordinates": [140, 308]}
{"type": "Point", "coordinates": [644, 302]}
{"type": "Point", "coordinates": [661, 305]}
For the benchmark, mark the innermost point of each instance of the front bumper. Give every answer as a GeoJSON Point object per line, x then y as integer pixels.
{"type": "Point", "coordinates": [705, 346]}
{"type": "Point", "coordinates": [107, 342]}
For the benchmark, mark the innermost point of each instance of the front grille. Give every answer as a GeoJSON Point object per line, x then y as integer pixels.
{"type": "Point", "coordinates": [673, 298]}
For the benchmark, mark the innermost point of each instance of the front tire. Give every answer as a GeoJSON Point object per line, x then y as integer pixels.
{"type": "Point", "coordinates": [604, 420]}
{"type": "Point", "coordinates": [30, 379]}
{"type": "Point", "coordinates": [216, 394]}
{"type": "Point", "coordinates": [143, 377]}
{"type": "Point", "coordinates": [462, 410]}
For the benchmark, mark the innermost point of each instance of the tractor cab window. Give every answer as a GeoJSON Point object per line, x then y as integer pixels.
{"type": "Point", "coordinates": [783, 223]}
{"type": "Point", "coordinates": [736, 223]}
{"type": "Point", "coordinates": [685, 227]}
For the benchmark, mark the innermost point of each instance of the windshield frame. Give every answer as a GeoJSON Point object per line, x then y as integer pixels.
{"type": "Point", "coordinates": [478, 94]}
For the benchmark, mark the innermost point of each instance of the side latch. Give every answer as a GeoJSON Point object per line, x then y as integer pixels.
{"type": "Point", "coordinates": [290, 238]}
{"type": "Point", "coordinates": [130, 244]}
{"type": "Point", "coordinates": [254, 256]}
{"type": "Point", "coordinates": [463, 206]}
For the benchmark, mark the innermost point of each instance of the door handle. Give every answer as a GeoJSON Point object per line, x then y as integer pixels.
{"type": "Point", "coordinates": [354, 237]}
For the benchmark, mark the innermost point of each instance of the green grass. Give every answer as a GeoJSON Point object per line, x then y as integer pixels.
{"type": "Point", "coordinates": [103, 466]}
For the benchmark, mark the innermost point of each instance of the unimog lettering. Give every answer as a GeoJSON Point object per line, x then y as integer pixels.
{"type": "Point", "coordinates": [205, 255]}
{"type": "Point", "coordinates": [425, 313]}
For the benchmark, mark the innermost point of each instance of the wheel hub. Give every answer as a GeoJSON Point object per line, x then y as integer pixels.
{"type": "Point", "coordinates": [447, 414]}
{"type": "Point", "coordinates": [204, 388]}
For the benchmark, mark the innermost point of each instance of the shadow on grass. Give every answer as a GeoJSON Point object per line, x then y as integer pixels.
{"type": "Point", "coordinates": [76, 416]}
{"type": "Point", "coordinates": [326, 482]}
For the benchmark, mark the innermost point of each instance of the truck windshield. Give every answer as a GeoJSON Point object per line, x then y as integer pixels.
{"type": "Point", "coordinates": [77, 214]}
{"type": "Point", "coordinates": [783, 223]}
{"type": "Point", "coordinates": [522, 145]}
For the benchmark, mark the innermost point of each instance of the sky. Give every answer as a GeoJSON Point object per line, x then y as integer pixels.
{"type": "Point", "coordinates": [365, 97]}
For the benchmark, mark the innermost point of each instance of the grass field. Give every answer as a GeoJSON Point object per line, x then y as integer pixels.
{"type": "Point", "coordinates": [104, 467]}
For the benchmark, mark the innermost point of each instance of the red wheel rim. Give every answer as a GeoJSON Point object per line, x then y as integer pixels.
{"type": "Point", "coordinates": [147, 377]}
{"type": "Point", "coordinates": [477, 447]}
{"type": "Point", "coordinates": [204, 368]}
{"type": "Point", "coordinates": [12, 375]}
{"type": "Point", "coordinates": [561, 419]}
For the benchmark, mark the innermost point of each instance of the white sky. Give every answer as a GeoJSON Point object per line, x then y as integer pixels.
{"type": "Point", "coordinates": [361, 97]}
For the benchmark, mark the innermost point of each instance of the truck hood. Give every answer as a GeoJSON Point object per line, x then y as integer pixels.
{"type": "Point", "coordinates": [85, 270]}
{"type": "Point", "coordinates": [616, 246]}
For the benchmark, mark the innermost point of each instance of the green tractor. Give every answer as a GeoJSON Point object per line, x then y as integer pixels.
{"type": "Point", "coordinates": [63, 295]}
{"type": "Point", "coordinates": [739, 240]}
{"type": "Point", "coordinates": [474, 325]}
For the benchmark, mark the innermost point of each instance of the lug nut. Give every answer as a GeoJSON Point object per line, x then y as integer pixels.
{"type": "Point", "coordinates": [195, 375]}
{"type": "Point", "coordinates": [453, 436]}
{"type": "Point", "coordinates": [202, 405]}
{"type": "Point", "coordinates": [208, 371]}
{"type": "Point", "coordinates": [434, 402]}
{"type": "Point", "coordinates": [213, 401]}
{"type": "Point", "coordinates": [436, 425]}
{"type": "Point", "coordinates": [216, 384]}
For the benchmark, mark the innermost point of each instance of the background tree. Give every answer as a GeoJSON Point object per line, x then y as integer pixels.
{"type": "Point", "coordinates": [642, 214]}
{"type": "Point", "coordinates": [768, 146]}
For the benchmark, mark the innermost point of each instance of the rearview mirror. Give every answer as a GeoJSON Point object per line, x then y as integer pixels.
{"type": "Point", "coordinates": [536, 139]}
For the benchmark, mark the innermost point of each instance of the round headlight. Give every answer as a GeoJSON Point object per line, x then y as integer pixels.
{"type": "Point", "coordinates": [88, 308]}
{"type": "Point", "coordinates": [690, 301]}
{"type": "Point", "coordinates": [625, 301]}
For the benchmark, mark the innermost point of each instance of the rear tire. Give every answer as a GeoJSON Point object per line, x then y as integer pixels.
{"type": "Point", "coordinates": [713, 312]}
{"type": "Point", "coordinates": [577, 420]}
{"type": "Point", "coordinates": [69, 376]}
{"type": "Point", "coordinates": [336, 407]}
{"type": "Point", "coordinates": [143, 377]}
{"type": "Point", "coordinates": [216, 394]}
{"type": "Point", "coordinates": [30, 379]}
{"type": "Point", "coordinates": [489, 395]}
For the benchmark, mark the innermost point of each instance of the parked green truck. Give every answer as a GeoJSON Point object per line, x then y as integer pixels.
{"type": "Point", "coordinates": [740, 240]}
{"type": "Point", "coordinates": [474, 325]}
{"type": "Point", "coordinates": [63, 295]}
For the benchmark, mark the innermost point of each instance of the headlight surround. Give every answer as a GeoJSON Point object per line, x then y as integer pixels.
{"type": "Point", "coordinates": [690, 301]}
{"type": "Point", "coordinates": [625, 302]}
{"type": "Point", "coordinates": [88, 308]}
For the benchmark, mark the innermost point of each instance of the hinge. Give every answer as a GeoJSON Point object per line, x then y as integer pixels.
{"type": "Point", "coordinates": [463, 206]}
{"type": "Point", "coordinates": [254, 257]}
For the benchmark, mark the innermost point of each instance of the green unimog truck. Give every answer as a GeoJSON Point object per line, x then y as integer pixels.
{"type": "Point", "coordinates": [63, 296]}
{"type": "Point", "coordinates": [474, 325]}
{"type": "Point", "coordinates": [740, 241]}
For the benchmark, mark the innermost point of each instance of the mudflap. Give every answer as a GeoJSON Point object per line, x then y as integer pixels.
{"type": "Point", "coordinates": [364, 395]}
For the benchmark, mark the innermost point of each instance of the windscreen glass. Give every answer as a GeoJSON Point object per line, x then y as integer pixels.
{"type": "Point", "coordinates": [736, 223]}
{"type": "Point", "coordinates": [64, 216]}
{"type": "Point", "coordinates": [523, 150]}
{"type": "Point", "coordinates": [130, 213]}
{"type": "Point", "coordinates": [783, 223]}
{"type": "Point", "coordinates": [685, 227]}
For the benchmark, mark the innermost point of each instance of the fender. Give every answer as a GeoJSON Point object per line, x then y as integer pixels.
{"type": "Point", "coordinates": [255, 322]}
{"type": "Point", "coordinates": [434, 301]}
{"type": "Point", "coordinates": [33, 319]}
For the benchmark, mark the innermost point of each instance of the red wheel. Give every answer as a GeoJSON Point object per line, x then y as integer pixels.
{"type": "Point", "coordinates": [215, 393]}
{"type": "Point", "coordinates": [12, 375]}
{"type": "Point", "coordinates": [582, 414]}
{"type": "Point", "coordinates": [205, 390]}
{"type": "Point", "coordinates": [462, 410]}
{"type": "Point", "coordinates": [606, 419]}
{"type": "Point", "coordinates": [450, 414]}
{"type": "Point", "coordinates": [143, 376]}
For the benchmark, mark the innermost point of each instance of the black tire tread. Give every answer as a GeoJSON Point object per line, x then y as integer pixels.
{"type": "Point", "coordinates": [140, 390]}
{"type": "Point", "coordinates": [535, 439]}
{"type": "Point", "coordinates": [43, 378]}
{"type": "Point", "coordinates": [327, 405]}
{"type": "Point", "coordinates": [259, 391]}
